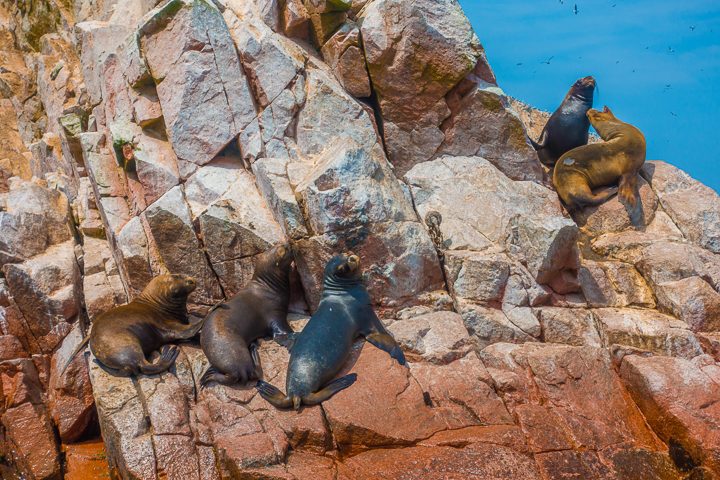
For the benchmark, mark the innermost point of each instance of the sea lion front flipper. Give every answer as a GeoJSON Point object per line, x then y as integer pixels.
{"type": "Point", "coordinates": [385, 342]}
{"type": "Point", "coordinates": [168, 354]}
{"type": "Point", "coordinates": [255, 354]}
{"type": "Point", "coordinates": [287, 340]}
{"type": "Point", "coordinates": [273, 395]}
{"type": "Point", "coordinates": [184, 332]}
{"type": "Point", "coordinates": [330, 389]}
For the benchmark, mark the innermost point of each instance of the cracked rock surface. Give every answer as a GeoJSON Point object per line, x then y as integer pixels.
{"type": "Point", "coordinates": [144, 137]}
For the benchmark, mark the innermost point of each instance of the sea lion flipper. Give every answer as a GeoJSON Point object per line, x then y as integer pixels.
{"type": "Point", "coordinates": [212, 374]}
{"type": "Point", "coordinates": [330, 389]}
{"type": "Point", "coordinates": [273, 395]}
{"type": "Point", "coordinates": [255, 355]}
{"type": "Point", "coordinates": [287, 340]}
{"type": "Point", "coordinates": [385, 342]}
{"type": "Point", "coordinates": [185, 332]}
{"type": "Point", "coordinates": [168, 354]}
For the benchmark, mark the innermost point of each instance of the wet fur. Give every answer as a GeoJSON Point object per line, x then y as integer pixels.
{"type": "Point", "coordinates": [123, 337]}
{"type": "Point", "coordinates": [259, 310]}
{"type": "Point", "coordinates": [322, 348]}
{"type": "Point", "coordinates": [568, 126]}
{"type": "Point", "coordinates": [591, 174]}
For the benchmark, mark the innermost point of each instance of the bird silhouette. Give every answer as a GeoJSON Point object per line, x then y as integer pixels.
{"type": "Point", "coordinates": [575, 9]}
{"type": "Point", "coordinates": [692, 27]}
{"type": "Point", "coordinates": [547, 62]}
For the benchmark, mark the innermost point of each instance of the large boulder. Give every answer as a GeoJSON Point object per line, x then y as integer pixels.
{"type": "Point", "coordinates": [523, 218]}
{"type": "Point", "coordinates": [204, 94]}
{"type": "Point", "coordinates": [47, 289]}
{"type": "Point", "coordinates": [34, 218]}
{"type": "Point", "coordinates": [694, 208]}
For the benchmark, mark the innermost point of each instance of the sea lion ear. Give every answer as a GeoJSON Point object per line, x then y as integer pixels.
{"type": "Point", "coordinates": [607, 110]}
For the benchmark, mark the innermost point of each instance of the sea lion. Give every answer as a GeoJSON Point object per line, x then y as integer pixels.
{"type": "Point", "coordinates": [121, 337]}
{"type": "Point", "coordinates": [568, 126]}
{"type": "Point", "coordinates": [586, 168]}
{"type": "Point", "coordinates": [324, 345]}
{"type": "Point", "coordinates": [259, 310]}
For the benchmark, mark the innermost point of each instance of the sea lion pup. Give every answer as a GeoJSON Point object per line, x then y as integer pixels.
{"type": "Point", "coordinates": [259, 310]}
{"type": "Point", "coordinates": [568, 126]}
{"type": "Point", "coordinates": [586, 168]}
{"type": "Point", "coordinates": [324, 345]}
{"type": "Point", "coordinates": [122, 337]}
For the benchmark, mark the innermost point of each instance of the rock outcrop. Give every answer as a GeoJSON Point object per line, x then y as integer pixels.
{"type": "Point", "coordinates": [188, 136]}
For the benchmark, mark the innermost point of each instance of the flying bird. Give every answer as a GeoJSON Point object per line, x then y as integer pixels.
{"type": "Point", "coordinates": [575, 9]}
{"type": "Point", "coordinates": [673, 114]}
{"type": "Point", "coordinates": [692, 27]}
{"type": "Point", "coordinates": [671, 50]}
{"type": "Point", "coordinates": [547, 62]}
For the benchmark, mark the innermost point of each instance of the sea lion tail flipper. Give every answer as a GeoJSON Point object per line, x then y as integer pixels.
{"type": "Point", "coordinates": [330, 389]}
{"type": "Point", "coordinates": [168, 354]}
{"type": "Point", "coordinates": [385, 342]}
{"type": "Point", "coordinates": [273, 395]}
{"type": "Point", "coordinates": [628, 189]}
{"type": "Point", "coordinates": [75, 352]}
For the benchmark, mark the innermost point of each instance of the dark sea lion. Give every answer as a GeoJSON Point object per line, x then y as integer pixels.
{"type": "Point", "coordinates": [568, 126]}
{"type": "Point", "coordinates": [602, 165]}
{"type": "Point", "coordinates": [259, 310]}
{"type": "Point", "coordinates": [324, 345]}
{"type": "Point", "coordinates": [122, 337]}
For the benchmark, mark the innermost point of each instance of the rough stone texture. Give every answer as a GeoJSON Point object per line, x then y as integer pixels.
{"type": "Point", "coordinates": [170, 223]}
{"type": "Point", "coordinates": [694, 208]}
{"type": "Point", "coordinates": [34, 217]}
{"type": "Point", "coordinates": [190, 137]}
{"type": "Point", "coordinates": [202, 89]}
{"type": "Point", "coordinates": [344, 54]}
{"type": "Point", "coordinates": [526, 220]}
{"type": "Point", "coordinates": [680, 402]}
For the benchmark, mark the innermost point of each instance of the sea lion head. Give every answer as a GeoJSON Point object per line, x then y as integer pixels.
{"type": "Point", "coordinates": [175, 286]}
{"type": "Point", "coordinates": [604, 122]}
{"type": "Point", "coordinates": [273, 266]}
{"type": "Point", "coordinates": [169, 293]}
{"type": "Point", "coordinates": [583, 88]}
{"type": "Point", "coordinates": [343, 269]}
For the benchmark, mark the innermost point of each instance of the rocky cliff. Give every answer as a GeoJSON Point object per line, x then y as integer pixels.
{"type": "Point", "coordinates": [187, 136]}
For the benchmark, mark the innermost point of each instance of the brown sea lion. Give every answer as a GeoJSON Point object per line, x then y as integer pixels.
{"type": "Point", "coordinates": [602, 165]}
{"type": "Point", "coordinates": [121, 338]}
{"type": "Point", "coordinates": [259, 310]}
{"type": "Point", "coordinates": [568, 126]}
{"type": "Point", "coordinates": [322, 348]}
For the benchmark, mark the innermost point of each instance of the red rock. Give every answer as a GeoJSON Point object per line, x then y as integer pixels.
{"type": "Point", "coordinates": [384, 407]}
{"type": "Point", "coordinates": [11, 348]}
{"type": "Point", "coordinates": [461, 393]}
{"type": "Point", "coordinates": [32, 441]}
{"type": "Point", "coordinates": [86, 460]}
{"type": "Point", "coordinates": [680, 402]}
{"type": "Point", "coordinates": [483, 461]}
{"type": "Point", "coordinates": [566, 397]}
{"type": "Point", "coordinates": [71, 401]}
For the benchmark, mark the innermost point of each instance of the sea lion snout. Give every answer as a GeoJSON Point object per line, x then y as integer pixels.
{"type": "Point", "coordinates": [181, 285]}
{"type": "Point", "coordinates": [353, 262]}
